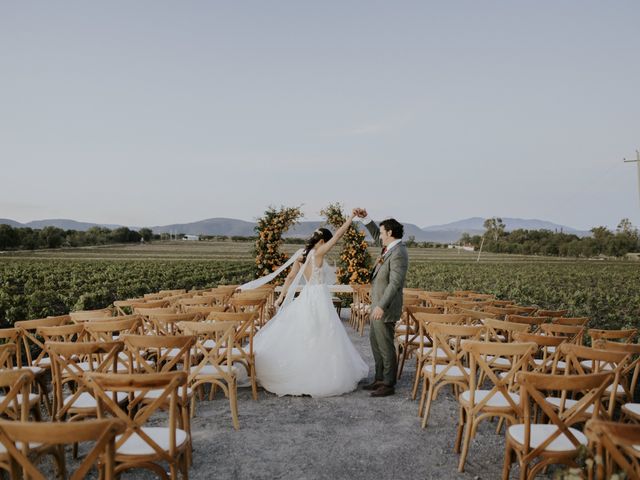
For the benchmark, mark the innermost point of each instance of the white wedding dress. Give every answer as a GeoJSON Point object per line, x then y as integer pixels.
{"type": "Point", "coordinates": [304, 349]}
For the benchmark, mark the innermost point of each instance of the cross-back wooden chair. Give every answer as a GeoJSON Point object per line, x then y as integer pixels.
{"type": "Point", "coordinates": [533, 322]}
{"type": "Point", "coordinates": [498, 400]}
{"type": "Point", "coordinates": [453, 305]}
{"type": "Point", "coordinates": [627, 335]}
{"type": "Point", "coordinates": [482, 296]}
{"type": "Point", "coordinates": [572, 333]}
{"type": "Point", "coordinates": [197, 301]}
{"type": "Point", "coordinates": [407, 331]}
{"type": "Point", "coordinates": [581, 360]}
{"type": "Point", "coordinates": [502, 303]}
{"type": "Point", "coordinates": [243, 351]}
{"type": "Point", "coordinates": [142, 446]}
{"type": "Point", "coordinates": [616, 444]}
{"type": "Point", "coordinates": [544, 360]}
{"type": "Point", "coordinates": [474, 317]}
{"type": "Point", "coordinates": [109, 330]}
{"type": "Point", "coordinates": [214, 347]}
{"type": "Point", "coordinates": [552, 313]}
{"type": "Point", "coordinates": [32, 345]}
{"type": "Point", "coordinates": [361, 306]}
{"type": "Point", "coordinates": [556, 442]}
{"type": "Point", "coordinates": [102, 433]}
{"type": "Point", "coordinates": [163, 353]}
{"type": "Point", "coordinates": [503, 331]}
{"type": "Point", "coordinates": [576, 321]}
{"type": "Point", "coordinates": [524, 309]}
{"type": "Point", "coordinates": [64, 333]}
{"type": "Point", "coordinates": [145, 312]}
{"type": "Point", "coordinates": [425, 343]}
{"type": "Point", "coordinates": [17, 386]}
{"type": "Point", "coordinates": [248, 304]}
{"type": "Point", "coordinates": [70, 362]}
{"type": "Point", "coordinates": [446, 371]}
{"type": "Point", "coordinates": [629, 374]}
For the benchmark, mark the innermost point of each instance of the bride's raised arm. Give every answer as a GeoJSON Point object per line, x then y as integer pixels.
{"type": "Point", "coordinates": [324, 248]}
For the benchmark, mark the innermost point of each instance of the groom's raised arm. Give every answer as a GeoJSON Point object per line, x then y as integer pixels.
{"type": "Point", "coordinates": [373, 229]}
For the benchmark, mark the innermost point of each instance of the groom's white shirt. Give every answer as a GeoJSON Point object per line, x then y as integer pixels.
{"type": "Point", "coordinates": [367, 220]}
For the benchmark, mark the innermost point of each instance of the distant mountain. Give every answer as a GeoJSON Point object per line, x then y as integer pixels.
{"type": "Point", "coordinates": [475, 226]}
{"type": "Point", "coordinates": [11, 223]}
{"type": "Point", "coordinates": [447, 233]}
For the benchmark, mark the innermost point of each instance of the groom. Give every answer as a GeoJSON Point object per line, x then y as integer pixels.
{"type": "Point", "coordinates": [387, 281]}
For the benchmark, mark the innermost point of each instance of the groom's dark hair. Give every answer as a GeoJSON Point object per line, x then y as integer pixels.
{"type": "Point", "coordinates": [394, 227]}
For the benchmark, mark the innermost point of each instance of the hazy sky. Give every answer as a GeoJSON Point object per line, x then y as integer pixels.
{"type": "Point", "coordinates": [158, 112]}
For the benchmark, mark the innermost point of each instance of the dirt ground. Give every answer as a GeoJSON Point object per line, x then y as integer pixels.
{"type": "Point", "coordinates": [352, 436]}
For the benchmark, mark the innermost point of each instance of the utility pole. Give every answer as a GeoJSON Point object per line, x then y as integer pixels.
{"type": "Point", "coordinates": [637, 162]}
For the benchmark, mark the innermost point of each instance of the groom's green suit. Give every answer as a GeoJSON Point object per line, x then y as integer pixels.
{"type": "Point", "coordinates": [387, 281]}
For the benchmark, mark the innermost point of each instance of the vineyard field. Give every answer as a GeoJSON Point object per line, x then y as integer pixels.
{"type": "Point", "coordinates": [52, 282]}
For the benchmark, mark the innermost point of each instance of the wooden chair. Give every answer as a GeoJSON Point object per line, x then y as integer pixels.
{"type": "Point", "coordinates": [243, 352]}
{"type": "Point", "coordinates": [503, 331]}
{"type": "Point", "coordinates": [571, 333]}
{"type": "Point", "coordinates": [582, 360]}
{"type": "Point", "coordinates": [17, 384]}
{"type": "Point", "coordinates": [249, 304]}
{"type": "Point", "coordinates": [474, 317]}
{"type": "Point", "coordinates": [631, 371]}
{"type": "Point", "coordinates": [617, 445]}
{"type": "Point", "coordinates": [627, 335]}
{"type": "Point", "coordinates": [32, 345]}
{"type": "Point", "coordinates": [142, 446]}
{"type": "Point", "coordinates": [556, 442]}
{"type": "Point", "coordinates": [204, 311]}
{"type": "Point", "coordinates": [425, 343]}
{"type": "Point", "coordinates": [544, 360]}
{"type": "Point", "coordinates": [109, 330]}
{"type": "Point", "coordinates": [70, 362]}
{"type": "Point", "coordinates": [214, 346]}
{"type": "Point", "coordinates": [15, 435]}
{"type": "Point", "coordinates": [478, 404]}
{"type": "Point", "coordinates": [167, 323]}
{"type": "Point", "coordinates": [197, 301]}
{"type": "Point", "coordinates": [446, 371]}
{"type": "Point", "coordinates": [64, 333]}
{"type": "Point", "coordinates": [406, 333]}
{"type": "Point", "coordinates": [360, 306]}
{"type": "Point", "coordinates": [126, 307]}
{"type": "Point", "coordinates": [500, 312]}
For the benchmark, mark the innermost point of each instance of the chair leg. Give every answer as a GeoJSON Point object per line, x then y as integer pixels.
{"type": "Point", "coordinates": [506, 467]}
{"type": "Point", "coordinates": [416, 381]}
{"type": "Point", "coordinates": [459, 429]}
{"type": "Point", "coordinates": [233, 402]}
{"type": "Point", "coordinates": [423, 397]}
{"type": "Point", "coordinates": [402, 358]}
{"type": "Point", "coordinates": [425, 417]}
{"type": "Point", "coordinates": [254, 385]}
{"type": "Point", "coordinates": [465, 445]}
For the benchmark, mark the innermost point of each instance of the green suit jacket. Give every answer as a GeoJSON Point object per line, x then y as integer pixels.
{"type": "Point", "coordinates": [388, 278]}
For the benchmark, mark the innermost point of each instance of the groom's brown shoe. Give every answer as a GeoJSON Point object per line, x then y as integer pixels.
{"type": "Point", "coordinates": [373, 385]}
{"type": "Point", "coordinates": [383, 391]}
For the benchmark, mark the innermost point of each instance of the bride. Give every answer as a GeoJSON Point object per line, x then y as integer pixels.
{"type": "Point", "coordinates": [304, 349]}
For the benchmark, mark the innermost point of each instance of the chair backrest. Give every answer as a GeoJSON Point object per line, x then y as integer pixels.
{"type": "Point", "coordinates": [631, 371]}
{"type": "Point", "coordinates": [625, 336]}
{"type": "Point", "coordinates": [151, 392]}
{"type": "Point", "coordinates": [166, 323]}
{"type": "Point", "coordinates": [32, 345]}
{"type": "Point", "coordinates": [17, 384]}
{"type": "Point", "coordinates": [484, 358]}
{"type": "Point", "coordinates": [145, 312]}
{"type": "Point", "coordinates": [474, 316]}
{"type": "Point", "coordinates": [70, 361]}
{"type": "Point", "coordinates": [619, 442]}
{"type": "Point", "coordinates": [247, 303]}
{"type": "Point", "coordinates": [577, 321]}
{"type": "Point", "coordinates": [500, 312]}
{"type": "Point", "coordinates": [15, 436]}
{"type": "Point", "coordinates": [86, 315]}
{"type": "Point", "coordinates": [533, 390]}
{"type": "Point", "coordinates": [158, 353]}
{"type": "Point", "coordinates": [534, 322]}
{"type": "Point", "coordinates": [502, 331]}
{"type": "Point", "coordinates": [573, 333]}
{"type": "Point", "coordinates": [552, 313]}
{"type": "Point", "coordinates": [547, 350]}
{"type": "Point", "coordinates": [214, 346]}
{"type": "Point", "coordinates": [63, 333]}
{"type": "Point", "coordinates": [8, 355]}
{"type": "Point", "coordinates": [107, 330]}
{"type": "Point", "coordinates": [448, 338]}
{"type": "Point", "coordinates": [204, 311]}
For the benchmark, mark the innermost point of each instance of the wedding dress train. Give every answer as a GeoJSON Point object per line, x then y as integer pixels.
{"type": "Point", "coordinates": [304, 348]}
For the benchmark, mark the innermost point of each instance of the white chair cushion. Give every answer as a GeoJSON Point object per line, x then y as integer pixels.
{"type": "Point", "coordinates": [497, 400]}
{"type": "Point", "coordinates": [586, 364]}
{"type": "Point", "coordinates": [136, 445]}
{"type": "Point", "coordinates": [568, 403]}
{"type": "Point", "coordinates": [35, 370]}
{"type": "Point", "coordinates": [539, 433]}
{"type": "Point", "coordinates": [86, 400]}
{"type": "Point", "coordinates": [156, 393]}
{"type": "Point", "coordinates": [212, 370]}
{"type": "Point", "coordinates": [86, 366]}
{"type": "Point", "coordinates": [498, 361]}
{"type": "Point", "coordinates": [619, 389]}
{"type": "Point", "coordinates": [560, 365]}
{"type": "Point", "coordinates": [633, 408]}
{"type": "Point", "coordinates": [454, 371]}
{"type": "Point", "coordinates": [33, 398]}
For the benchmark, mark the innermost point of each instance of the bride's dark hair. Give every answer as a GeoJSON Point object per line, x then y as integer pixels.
{"type": "Point", "coordinates": [320, 234]}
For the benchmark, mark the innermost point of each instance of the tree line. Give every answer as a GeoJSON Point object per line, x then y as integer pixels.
{"type": "Point", "coordinates": [602, 241]}
{"type": "Point", "coordinates": [25, 238]}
